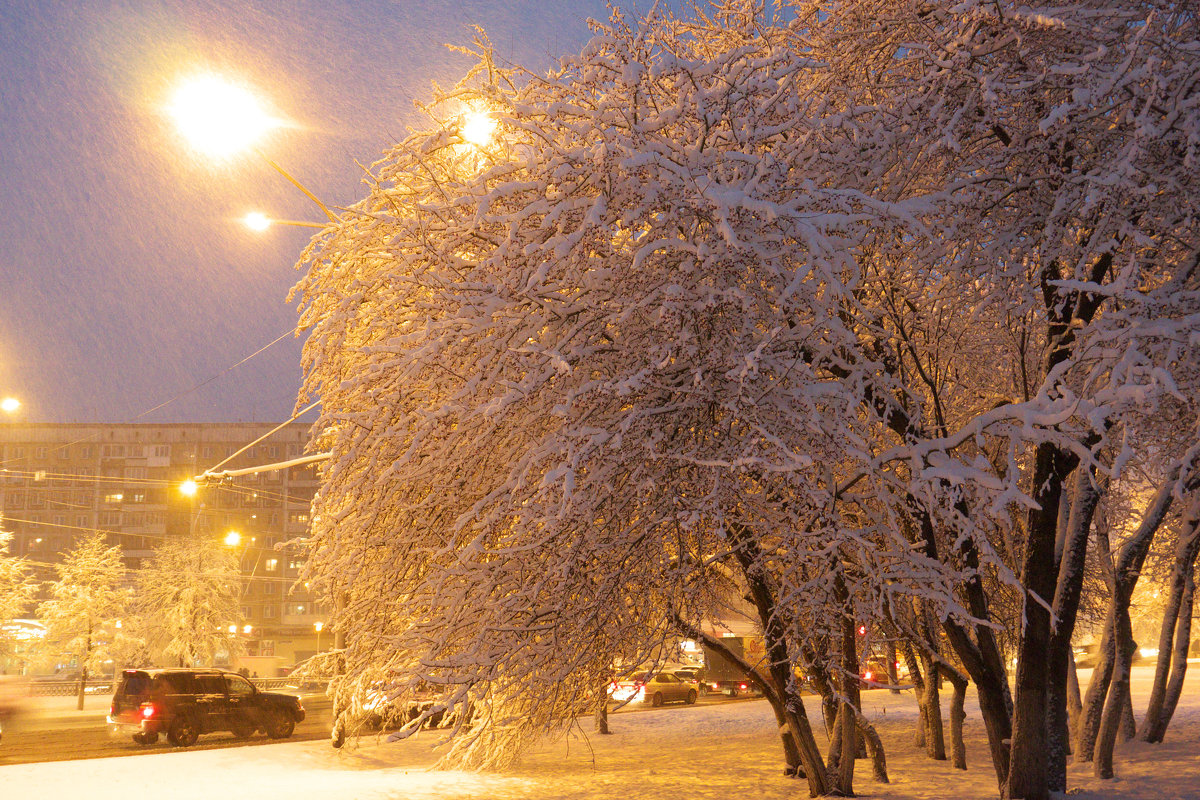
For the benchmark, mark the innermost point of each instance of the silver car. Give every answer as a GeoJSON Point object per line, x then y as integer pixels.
{"type": "Point", "coordinates": [653, 689]}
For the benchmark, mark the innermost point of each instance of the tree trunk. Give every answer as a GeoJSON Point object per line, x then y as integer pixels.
{"type": "Point", "coordinates": [931, 713]}
{"type": "Point", "coordinates": [1097, 691]}
{"type": "Point", "coordinates": [83, 676]}
{"type": "Point", "coordinates": [1028, 769]}
{"type": "Point", "coordinates": [958, 750]}
{"type": "Point", "coordinates": [602, 713]}
{"type": "Point", "coordinates": [1175, 634]}
{"type": "Point", "coordinates": [892, 672]}
{"type": "Point", "coordinates": [849, 711]}
{"type": "Point", "coordinates": [781, 689]}
{"type": "Point", "coordinates": [874, 748]}
{"type": "Point", "coordinates": [1124, 579]}
{"type": "Point", "coordinates": [918, 680]}
{"type": "Point", "coordinates": [1085, 497]}
{"type": "Point", "coordinates": [1118, 695]}
{"type": "Point", "coordinates": [1179, 668]}
{"type": "Point", "coordinates": [1128, 728]}
{"type": "Point", "coordinates": [1074, 702]}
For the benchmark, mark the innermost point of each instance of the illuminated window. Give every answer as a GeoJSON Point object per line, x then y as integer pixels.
{"type": "Point", "coordinates": [271, 564]}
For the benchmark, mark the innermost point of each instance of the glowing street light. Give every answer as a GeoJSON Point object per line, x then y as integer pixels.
{"type": "Point", "coordinates": [9, 405]}
{"type": "Point", "coordinates": [188, 488]}
{"type": "Point", "coordinates": [478, 128]}
{"type": "Point", "coordinates": [318, 627]}
{"type": "Point", "coordinates": [218, 117]}
{"type": "Point", "coordinates": [258, 221]}
{"type": "Point", "coordinates": [233, 538]}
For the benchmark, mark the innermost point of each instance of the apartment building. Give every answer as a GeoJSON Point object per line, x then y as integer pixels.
{"type": "Point", "coordinates": [60, 481]}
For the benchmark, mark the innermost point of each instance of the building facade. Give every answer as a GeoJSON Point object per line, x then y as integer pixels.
{"type": "Point", "coordinates": [61, 481]}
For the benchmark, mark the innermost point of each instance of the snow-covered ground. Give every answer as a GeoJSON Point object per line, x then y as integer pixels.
{"type": "Point", "coordinates": [727, 751]}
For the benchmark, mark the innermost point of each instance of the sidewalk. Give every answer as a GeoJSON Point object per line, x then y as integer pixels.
{"type": "Point", "coordinates": [63, 710]}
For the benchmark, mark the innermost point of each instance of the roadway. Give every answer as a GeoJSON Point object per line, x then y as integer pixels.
{"type": "Point", "coordinates": [51, 729]}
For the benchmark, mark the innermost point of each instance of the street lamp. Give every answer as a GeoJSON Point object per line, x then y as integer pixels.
{"type": "Point", "coordinates": [318, 627]}
{"type": "Point", "coordinates": [221, 119]}
{"type": "Point", "coordinates": [258, 221]}
{"type": "Point", "coordinates": [10, 405]}
{"type": "Point", "coordinates": [478, 128]}
{"type": "Point", "coordinates": [218, 117]}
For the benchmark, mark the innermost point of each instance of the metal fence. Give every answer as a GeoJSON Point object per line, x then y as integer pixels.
{"type": "Point", "coordinates": [104, 687]}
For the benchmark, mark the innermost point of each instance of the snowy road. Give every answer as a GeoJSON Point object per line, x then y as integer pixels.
{"type": "Point", "coordinates": [718, 751]}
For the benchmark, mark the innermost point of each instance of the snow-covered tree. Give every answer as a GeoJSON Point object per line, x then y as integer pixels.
{"type": "Point", "coordinates": [186, 599]}
{"type": "Point", "coordinates": [17, 588]}
{"type": "Point", "coordinates": [834, 305]}
{"type": "Point", "coordinates": [85, 606]}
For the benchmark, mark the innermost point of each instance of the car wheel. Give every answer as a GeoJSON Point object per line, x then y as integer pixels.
{"type": "Point", "coordinates": [280, 725]}
{"type": "Point", "coordinates": [243, 728]}
{"type": "Point", "coordinates": [657, 700]}
{"type": "Point", "coordinates": [691, 698]}
{"type": "Point", "coordinates": [183, 731]}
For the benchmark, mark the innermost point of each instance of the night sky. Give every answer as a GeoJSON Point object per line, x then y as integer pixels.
{"type": "Point", "coordinates": [126, 276]}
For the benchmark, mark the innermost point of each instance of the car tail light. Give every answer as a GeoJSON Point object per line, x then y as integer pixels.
{"type": "Point", "coordinates": [868, 675]}
{"type": "Point", "coordinates": [148, 710]}
{"type": "Point", "coordinates": [715, 685]}
{"type": "Point", "coordinates": [743, 686]}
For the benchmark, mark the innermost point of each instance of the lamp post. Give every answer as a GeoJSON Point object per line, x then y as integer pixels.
{"type": "Point", "coordinates": [318, 627]}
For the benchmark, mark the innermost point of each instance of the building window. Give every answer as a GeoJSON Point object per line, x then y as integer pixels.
{"type": "Point", "coordinates": [271, 564]}
{"type": "Point", "coordinates": [269, 588]}
{"type": "Point", "coordinates": [114, 497]}
{"type": "Point", "coordinates": [85, 452]}
{"type": "Point", "coordinates": [295, 609]}
{"type": "Point", "coordinates": [39, 453]}
{"type": "Point", "coordinates": [161, 451]}
{"type": "Point", "coordinates": [270, 611]}
{"type": "Point", "coordinates": [266, 648]}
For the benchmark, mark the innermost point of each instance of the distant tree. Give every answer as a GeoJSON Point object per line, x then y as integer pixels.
{"type": "Point", "coordinates": [186, 599]}
{"type": "Point", "coordinates": [86, 605]}
{"type": "Point", "coordinates": [17, 588]}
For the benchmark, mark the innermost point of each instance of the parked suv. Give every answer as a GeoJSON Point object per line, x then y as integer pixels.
{"type": "Point", "coordinates": [184, 703]}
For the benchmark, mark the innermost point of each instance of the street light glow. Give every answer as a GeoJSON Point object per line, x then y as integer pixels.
{"type": "Point", "coordinates": [233, 538]}
{"type": "Point", "coordinates": [218, 117]}
{"type": "Point", "coordinates": [188, 487]}
{"type": "Point", "coordinates": [257, 221]}
{"type": "Point", "coordinates": [478, 128]}
{"type": "Point", "coordinates": [9, 405]}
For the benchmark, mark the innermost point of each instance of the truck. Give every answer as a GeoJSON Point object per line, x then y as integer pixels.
{"type": "Point", "coordinates": [722, 675]}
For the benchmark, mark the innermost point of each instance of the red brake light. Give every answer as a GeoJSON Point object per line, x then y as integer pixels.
{"type": "Point", "coordinates": [147, 711]}
{"type": "Point", "coordinates": [744, 686]}
{"type": "Point", "coordinates": [868, 675]}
